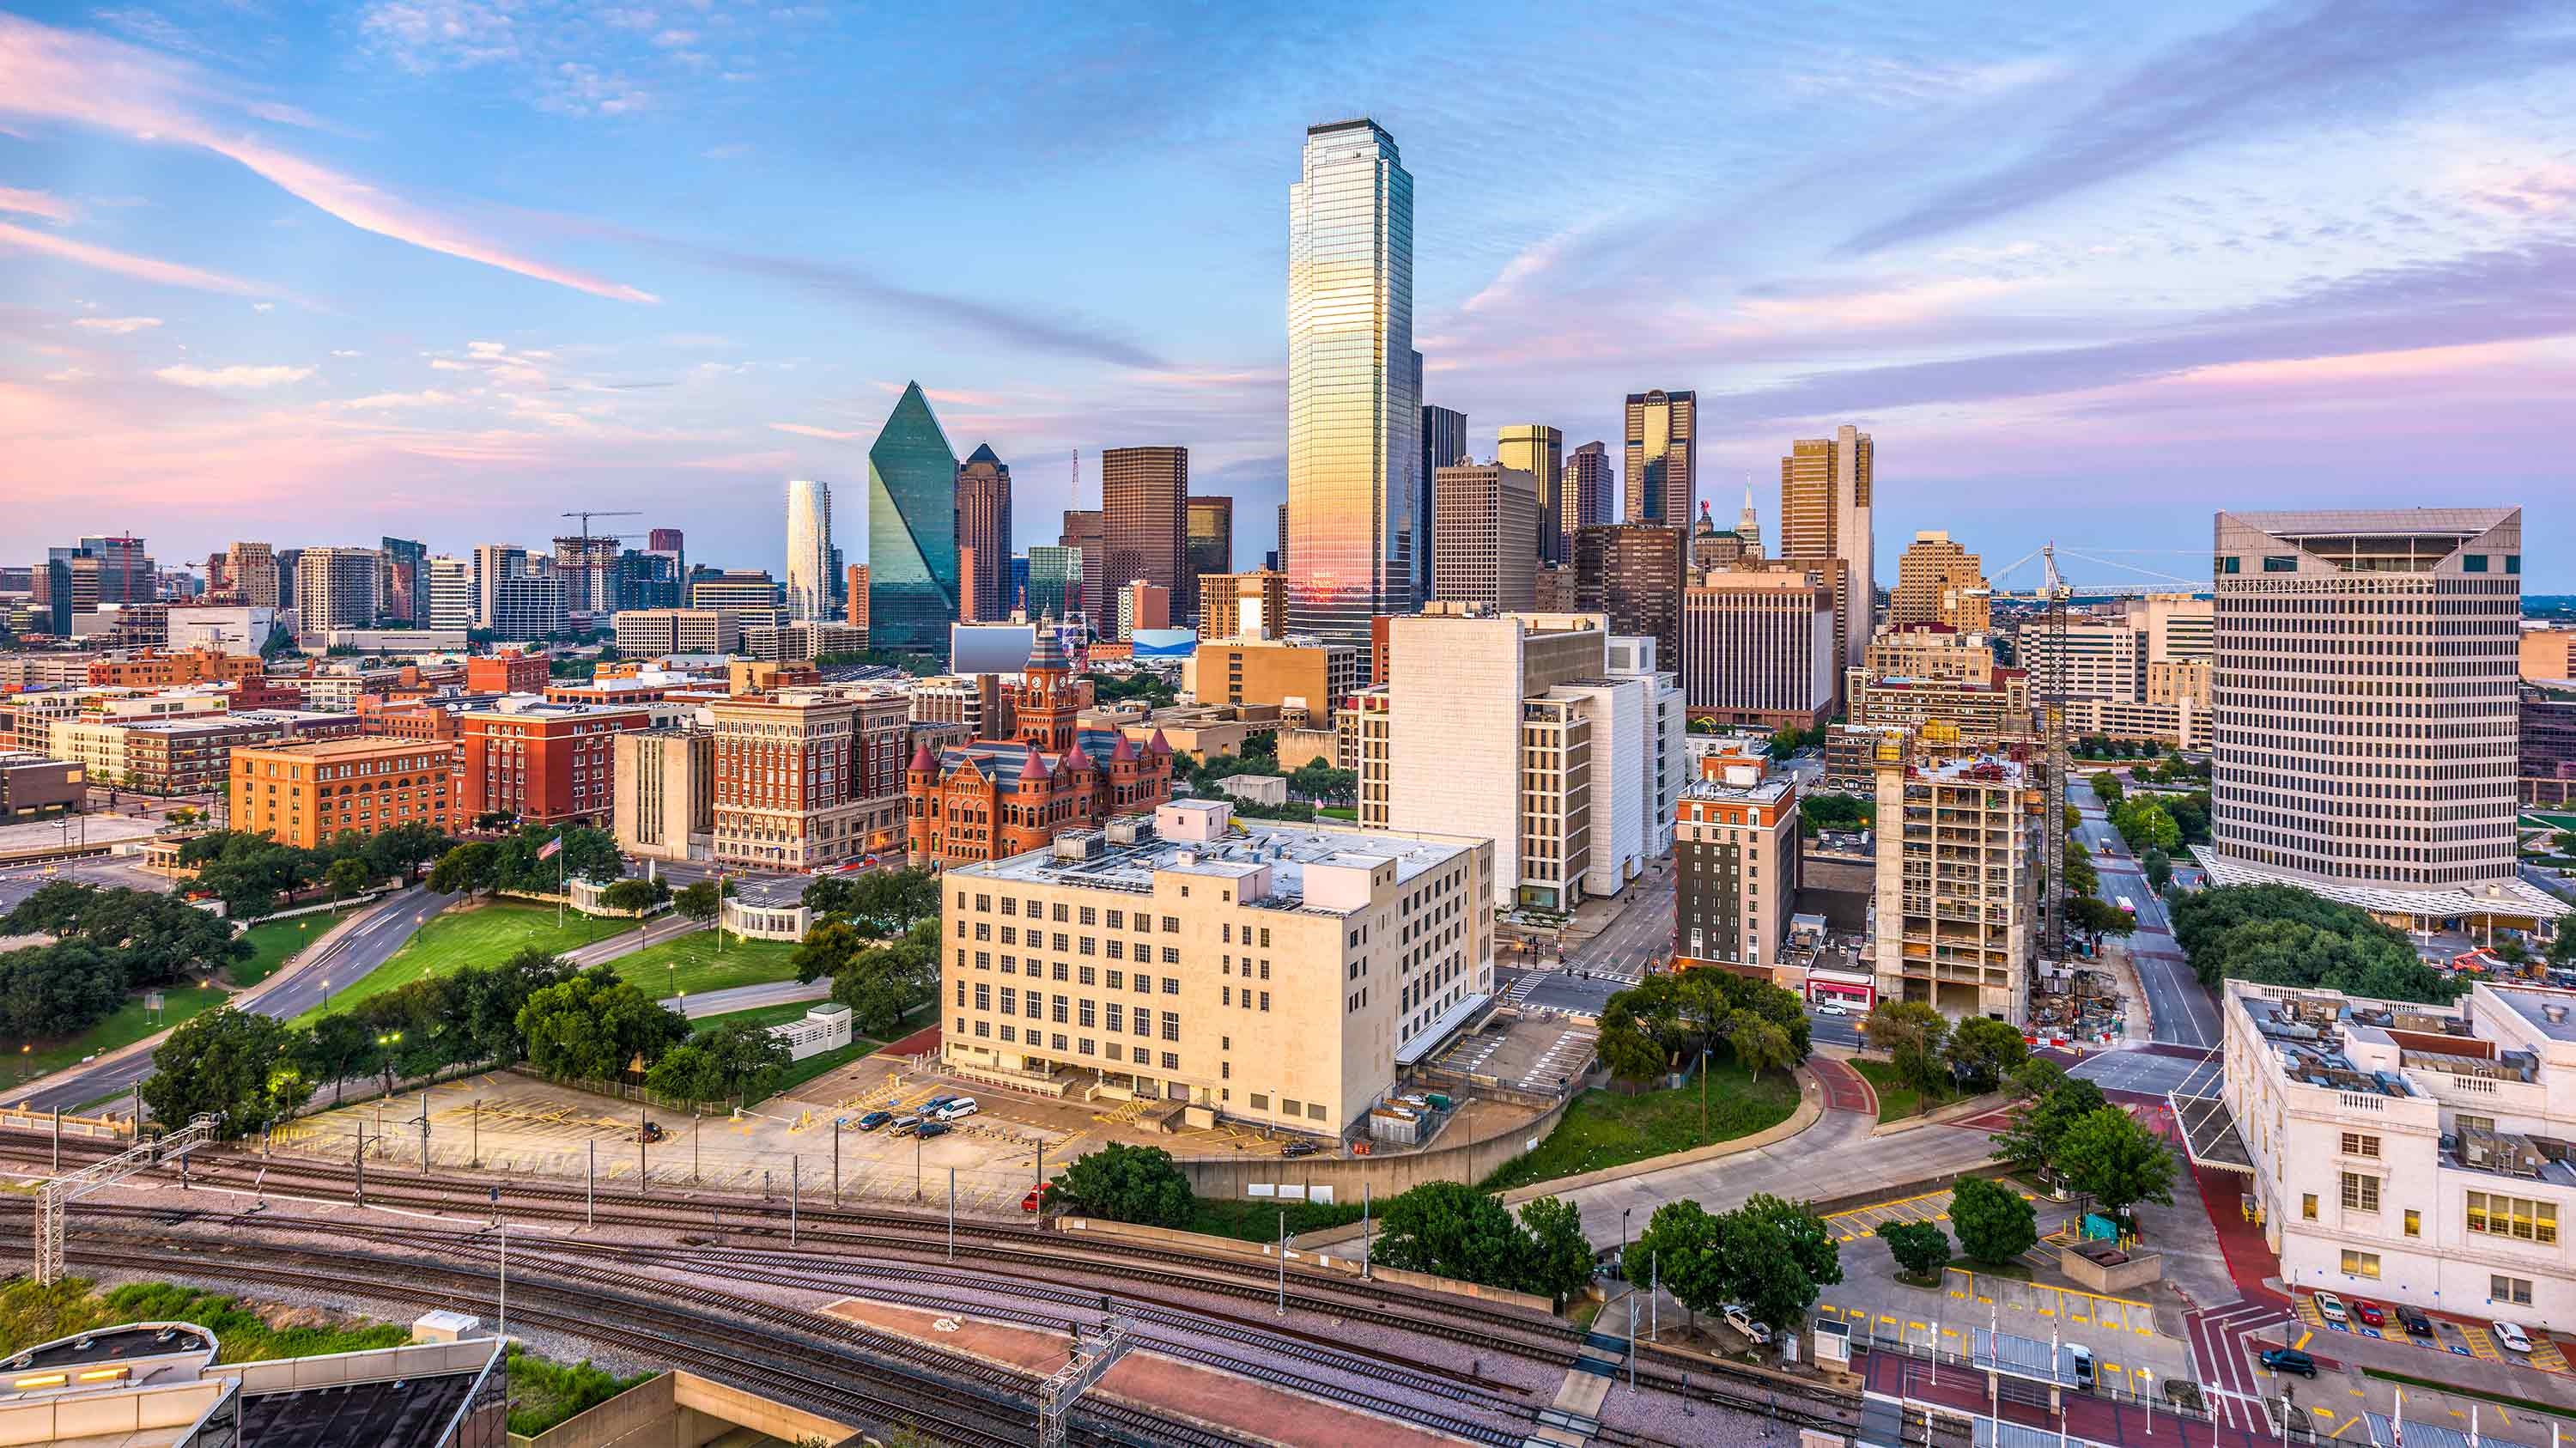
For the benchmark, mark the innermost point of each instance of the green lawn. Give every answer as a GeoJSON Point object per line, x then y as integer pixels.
{"type": "Point", "coordinates": [1606, 1128]}
{"type": "Point", "coordinates": [1339, 811]}
{"type": "Point", "coordinates": [1250, 1219]}
{"type": "Point", "coordinates": [1896, 1100]}
{"type": "Point", "coordinates": [484, 935]}
{"type": "Point", "coordinates": [273, 942]}
{"type": "Point", "coordinates": [777, 1015]}
{"type": "Point", "coordinates": [124, 1026]}
{"type": "Point", "coordinates": [692, 963]}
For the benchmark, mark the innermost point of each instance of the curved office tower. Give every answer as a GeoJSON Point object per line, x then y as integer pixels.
{"type": "Point", "coordinates": [809, 549]}
{"type": "Point", "coordinates": [1354, 545]}
{"type": "Point", "coordinates": [912, 530]}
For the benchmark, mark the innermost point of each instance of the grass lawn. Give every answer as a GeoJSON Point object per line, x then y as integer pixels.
{"type": "Point", "coordinates": [484, 935]}
{"type": "Point", "coordinates": [1339, 811]}
{"type": "Point", "coordinates": [777, 1015]}
{"type": "Point", "coordinates": [1605, 1128]}
{"type": "Point", "coordinates": [1250, 1220]}
{"type": "Point", "coordinates": [1896, 1100]}
{"type": "Point", "coordinates": [272, 943]}
{"type": "Point", "coordinates": [690, 963]}
{"type": "Point", "coordinates": [124, 1026]}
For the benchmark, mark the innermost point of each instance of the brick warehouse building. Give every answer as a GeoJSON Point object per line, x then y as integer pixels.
{"type": "Point", "coordinates": [808, 776]}
{"type": "Point", "coordinates": [545, 763]}
{"type": "Point", "coordinates": [304, 794]}
{"type": "Point", "coordinates": [990, 799]}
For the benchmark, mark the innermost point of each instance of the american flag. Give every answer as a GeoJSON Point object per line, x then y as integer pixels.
{"type": "Point", "coordinates": [551, 847]}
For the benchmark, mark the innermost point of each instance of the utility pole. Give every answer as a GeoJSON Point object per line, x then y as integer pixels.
{"type": "Point", "coordinates": [1283, 1262]}
{"type": "Point", "coordinates": [589, 1179]}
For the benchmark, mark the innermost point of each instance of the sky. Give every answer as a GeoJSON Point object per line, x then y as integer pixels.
{"type": "Point", "coordinates": [441, 269]}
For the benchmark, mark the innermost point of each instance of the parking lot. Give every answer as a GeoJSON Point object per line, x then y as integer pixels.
{"type": "Point", "coordinates": [2458, 1337]}
{"type": "Point", "coordinates": [1539, 1052]}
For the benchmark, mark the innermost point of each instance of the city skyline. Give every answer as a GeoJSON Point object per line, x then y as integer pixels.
{"type": "Point", "coordinates": [236, 239]}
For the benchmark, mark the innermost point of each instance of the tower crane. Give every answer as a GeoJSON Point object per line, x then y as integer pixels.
{"type": "Point", "coordinates": [586, 514]}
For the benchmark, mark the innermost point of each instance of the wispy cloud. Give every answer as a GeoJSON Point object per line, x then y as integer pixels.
{"type": "Point", "coordinates": [36, 203]}
{"type": "Point", "coordinates": [806, 430]}
{"type": "Point", "coordinates": [390, 401]}
{"type": "Point", "coordinates": [2295, 61]}
{"type": "Point", "coordinates": [141, 268]}
{"type": "Point", "coordinates": [63, 75]}
{"type": "Point", "coordinates": [118, 326]}
{"type": "Point", "coordinates": [228, 377]}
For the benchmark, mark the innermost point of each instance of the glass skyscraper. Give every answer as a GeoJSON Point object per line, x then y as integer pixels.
{"type": "Point", "coordinates": [1355, 533]}
{"type": "Point", "coordinates": [912, 530]}
{"type": "Point", "coordinates": [1055, 582]}
{"type": "Point", "coordinates": [809, 549]}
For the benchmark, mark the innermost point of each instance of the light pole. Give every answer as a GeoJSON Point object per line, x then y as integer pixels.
{"type": "Point", "coordinates": [384, 1055]}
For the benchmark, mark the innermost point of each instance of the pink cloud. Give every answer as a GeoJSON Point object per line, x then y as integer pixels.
{"type": "Point", "coordinates": [805, 430]}
{"type": "Point", "coordinates": [141, 268]}
{"type": "Point", "coordinates": [36, 203]}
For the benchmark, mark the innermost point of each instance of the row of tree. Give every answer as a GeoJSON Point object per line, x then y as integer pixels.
{"type": "Point", "coordinates": [1938, 1057]}
{"type": "Point", "coordinates": [1668, 1019]}
{"type": "Point", "coordinates": [2070, 1135]}
{"type": "Point", "coordinates": [2282, 935]}
{"type": "Point", "coordinates": [254, 875]}
{"type": "Point", "coordinates": [518, 862]}
{"type": "Point", "coordinates": [108, 944]}
{"type": "Point", "coordinates": [876, 936]}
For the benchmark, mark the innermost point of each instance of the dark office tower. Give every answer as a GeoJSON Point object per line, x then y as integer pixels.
{"type": "Point", "coordinates": [662, 540]}
{"type": "Point", "coordinates": [984, 537]}
{"type": "Point", "coordinates": [1019, 585]}
{"type": "Point", "coordinates": [126, 573]}
{"type": "Point", "coordinates": [1589, 497]}
{"type": "Point", "coordinates": [1082, 534]}
{"type": "Point", "coordinates": [288, 561]}
{"type": "Point", "coordinates": [1663, 457]}
{"type": "Point", "coordinates": [1539, 450]}
{"type": "Point", "coordinates": [1145, 518]}
{"type": "Point", "coordinates": [912, 530]}
{"type": "Point", "coordinates": [1634, 572]}
{"type": "Point", "coordinates": [1444, 445]}
{"type": "Point", "coordinates": [1279, 555]}
{"type": "Point", "coordinates": [1211, 549]}
{"type": "Point", "coordinates": [403, 581]}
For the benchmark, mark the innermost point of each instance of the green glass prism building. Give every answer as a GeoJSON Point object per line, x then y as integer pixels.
{"type": "Point", "coordinates": [912, 530]}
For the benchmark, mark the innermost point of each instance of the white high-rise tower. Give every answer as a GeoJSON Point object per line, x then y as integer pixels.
{"type": "Point", "coordinates": [1355, 546]}
{"type": "Point", "coordinates": [1748, 524]}
{"type": "Point", "coordinates": [809, 549]}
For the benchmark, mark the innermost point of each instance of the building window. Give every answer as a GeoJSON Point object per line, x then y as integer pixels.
{"type": "Point", "coordinates": [2360, 1264]}
{"type": "Point", "coordinates": [2516, 1290]}
{"type": "Point", "coordinates": [2357, 1144]}
{"type": "Point", "coordinates": [1171, 1025]}
{"type": "Point", "coordinates": [2307, 1206]}
{"type": "Point", "coordinates": [2414, 1223]}
{"type": "Point", "coordinates": [2496, 1215]}
{"type": "Point", "coordinates": [1314, 1111]}
{"type": "Point", "coordinates": [1172, 1062]}
{"type": "Point", "coordinates": [2360, 1193]}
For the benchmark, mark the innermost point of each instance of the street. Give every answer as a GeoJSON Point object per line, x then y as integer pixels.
{"type": "Point", "coordinates": [2181, 1009]}
{"type": "Point", "coordinates": [1609, 962]}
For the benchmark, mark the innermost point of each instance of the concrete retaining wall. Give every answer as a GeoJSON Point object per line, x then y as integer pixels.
{"type": "Point", "coordinates": [1384, 1174]}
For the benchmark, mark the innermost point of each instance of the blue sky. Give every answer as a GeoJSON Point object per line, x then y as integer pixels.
{"type": "Point", "coordinates": [440, 268]}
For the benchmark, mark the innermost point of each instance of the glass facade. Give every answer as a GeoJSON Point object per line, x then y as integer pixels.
{"type": "Point", "coordinates": [809, 549]}
{"type": "Point", "coordinates": [1663, 457]}
{"type": "Point", "coordinates": [1055, 582]}
{"type": "Point", "coordinates": [1353, 548]}
{"type": "Point", "coordinates": [912, 530]}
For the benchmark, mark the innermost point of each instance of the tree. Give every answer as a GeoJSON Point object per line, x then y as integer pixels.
{"type": "Point", "coordinates": [687, 1072]}
{"type": "Point", "coordinates": [2107, 787]}
{"type": "Point", "coordinates": [592, 1026]}
{"type": "Point", "coordinates": [1913, 1035]}
{"type": "Point", "coordinates": [702, 902]}
{"type": "Point", "coordinates": [346, 878]}
{"type": "Point", "coordinates": [468, 869]}
{"type": "Point", "coordinates": [2145, 823]}
{"type": "Point", "coordinates": [2097, 917]}
{"type": "Point", "coordinates": [403, 849]}
{"type": "Point", "coordinates": [635, 895]}
{"type": "Point", "coordinates": [2031, 1142]}
{"type": "Point", "coordinates": [1982, 1051]}
{"type": "Point", "coordinates": [747, 1056]}
{"type": "Point", "coordinates": [2159, 869]}
{"type": "Point", "coordinates": [1760, 1045]}
{"type": "Point", "coordinates": [338, 1047]}
{"type": "Point", "coordinates": [2282, 935]}
{"type": "Point", "coordinates": [1452, 1230]}
{"type": "Point", "coordinates": [827, 949]}
{"type": "Point", "coordinates": [1994, 1222]}
{"type": "Point", "coordinates": [1561, 1263]}
{"type": "Point", "coordinates": [1680, 1251]}
{"type": "Point", "coordinates": [229, 1063]}
{"type": "Point", "coordinates": [2036, 1077]}
{"type": "Point", "coordinates": [2108, 1156]}
{"type": "Point", "coordinates": [1776, 1256]}
{"type": "Point", "coordinates": [880, 983]}
{"type": "Point", "coordinates": [1127, 1184]}
{"type": "Point", "coordinates": [1628, 1051]}
{"type": "Point", "coordinates": [1921, 1249]}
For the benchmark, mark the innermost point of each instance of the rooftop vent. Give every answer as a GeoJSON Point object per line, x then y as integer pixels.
{"type": "Point", "coordinates": [1078, 845]}
{"type": "Point", "coordinates": [2556, 1014]}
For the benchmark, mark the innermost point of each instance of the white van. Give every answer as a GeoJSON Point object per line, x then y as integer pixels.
{"type": "Point", "coordinates": [963, 1106]}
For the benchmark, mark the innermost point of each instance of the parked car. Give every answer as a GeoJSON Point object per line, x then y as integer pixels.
{"type": "Point", "coordinates": [2330, 1307]}
{"type": "Point", "coordinates": [2289, 1360]}
{"type": "Point", "coordinates": [875, 1119]}
{"type": "Point", "coordinates": [1036, 1195]}
{"type": "Point", "coordinates": [2369, 1313]}
{"type": "Point", "coordinates": [1831, 1008]}
{"type": "Point", "coordinates": [2083, 1358]}
{"type": "Point", "coordinates": [2414, 1321]}
{"type": "Point", "coordinates": [1739, 1317]}
{"type": "Point", "coordinates": [2513, 1338]}
{"type": "Point", "coordinates": [933, 1128]}
{"type": "Point", "coordinates": [959, 1109]}
{"type": "Point", "coordinates": [932, 1106]}
{"type": "Point", "coordinates": [905, 1125]}
{"type": "Point", "coordinates": [1301, 1148]}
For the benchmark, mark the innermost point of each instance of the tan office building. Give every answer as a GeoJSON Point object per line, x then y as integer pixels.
{"type": "Point", "coordinates": [1145, 522]}
{"type": "Point", "coordinates": [1937, 581]}
{"type": "Point", "coordinates": [1340, 956]}
{"type": "Point", "coordinates": [1826, 486]}
{"type": "Point", "coordinates": [1295, 674]}
{"type": "Point", "coordinates": [663, 799]}
{"type": "Point", "coordinates": [2547, 655]}
{"type": "Point", "coordinates": [1929, 651]}
{"type": "Point", "coordinates": [650, 632]}
{"type": "Point", "coordinates": [1956, 924]}
{"type": "Point", "coordinates": [1987, 715]}
{"type": "Point", "coordinates": [1538, 450]}
{"type": "Point", "coordinates": [1243, 605]}
{"type": "Point", "coordinates": [2104, 659]}
{"type": "Point", "coordinates": [1485, 536]}
{"type": "Point", "coordinates": [1758, 647]}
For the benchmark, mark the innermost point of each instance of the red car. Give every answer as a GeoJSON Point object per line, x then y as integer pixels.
{"type": "Point", "coordinates": [2369, 1313]}
{"type": "Point", "coordinates": [1029, 1203]}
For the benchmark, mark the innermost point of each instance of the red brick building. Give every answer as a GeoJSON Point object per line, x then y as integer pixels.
{"type": "Point", "coordinates": [547, 764]}
{"type": "Point", "coordinates": [989, 799]}
{"type": "Point", "coordinates": [511, 673]}
{"type": "Point", "coordinates": [405, 719]}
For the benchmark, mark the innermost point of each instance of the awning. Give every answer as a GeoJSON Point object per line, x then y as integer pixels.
{"type": "Point", "coordinates": [1437, 1033]}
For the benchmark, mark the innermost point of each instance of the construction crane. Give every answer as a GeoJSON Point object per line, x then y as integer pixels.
{"type": "Point", "coordinates": [586, 514]}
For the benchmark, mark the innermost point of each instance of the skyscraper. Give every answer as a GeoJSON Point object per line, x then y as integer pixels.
{"type": "Point", "coordinates": [1635, 573]}
{"type": "Point", "coordinates": [1055, 582]}
{"type": "Point", "coordinates": [1211, 545]}
{"type": "Point", "coordinates": [450, 582]}
{"type": "Point", "coordinates": [1663, 456]}
{"type": "Point", "coordinates": [1487, 546]}
{"type": "Point", "coordinates": [1539, 451]}
{"type": "Point", "coordinates": [1082, 533]}
{"type": "Point", "coordinates": [1353, 549]}
{"type": "Point", "coordinates": [253, 570]}
{"type": "Point", "coordinates": [1748, 524]}
{"type": "Point", "coordinates": [2337, 766]}
{"type": "Point", "coordinates": [492, 563]}
{"type": "Point", "coordinates": [1825, 513]}
{"type": "Point", "coordinates": [336, 588]}
{"type": "Point", "coordinates": [1937, 581]}
{"type": "Point", "coordinates": [912, 530]}
{"type": "Point", "coordinates": [405, 584]}
{"type": "Point", "coordinates": [983, 537]}
{"type": "Point", "coordinates": [1444, 444]}
{"type": "Point", "coordinates": [1145, 518]}
{"type": "Point", "coordinates": [809, 549]}
{"type": "Point", "coordinates": [1589, 498]}
{"type": "Point", "coordinates": [1279, 555]}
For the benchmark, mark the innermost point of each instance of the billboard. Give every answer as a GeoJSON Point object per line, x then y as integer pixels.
{"type": "Point", "coordinates": [990, 648]}
{"type": "Point", "coordinates": [1165, 643]}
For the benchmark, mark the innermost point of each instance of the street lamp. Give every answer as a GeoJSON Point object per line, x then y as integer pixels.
{"type": "Point", "coordinates": [384, 1054]}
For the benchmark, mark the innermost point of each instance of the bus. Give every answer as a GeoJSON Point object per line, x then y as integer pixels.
{"type": "Point", "coordinates": [2127, 905]}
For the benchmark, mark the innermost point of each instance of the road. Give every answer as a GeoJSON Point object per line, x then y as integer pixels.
{"type": "Point", "coordinates": [617, 947]}
{"type": "Point", "coordinates": [106, 872]}
{"type": "Point", "coordinates": [1609, 962]}
{"type": "Point", "coordinates": [290, 993]}
{"type": "Point", "coordinates": [747, 997]}
{"type": "Point", "coordinates": [2181, 1008]}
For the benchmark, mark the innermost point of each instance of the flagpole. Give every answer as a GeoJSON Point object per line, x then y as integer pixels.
{"type": "Point", "coordinates": [559, 882]}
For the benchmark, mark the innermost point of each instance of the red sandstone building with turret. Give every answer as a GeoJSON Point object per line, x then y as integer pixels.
{"type": "Point", "coordinates": [990, 799]}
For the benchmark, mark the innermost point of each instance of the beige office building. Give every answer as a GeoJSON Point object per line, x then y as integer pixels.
{"type": "Point", "coordinates": [2103, 659]}
{"type": "Point", "coordinates": [1826, 487]}
{"type": "Point", "coordinates": [337, 588]}
{"type": "Point", "coordinates": [1937, 581]}
{"type": "Point", "coordinates": [2180, 627]}
{"type": "Point", "coordinates": [252, 568]}
{"type": "Point", "coordinates": [1299, 675]}
{"type": "Point", "coordinates": [1485, 539]}
{"type": "Point", "coordinates": [1930, 651]}
{"type": "Point", "coordinates": [2367, 727]}
{"type": "Point", "coordinates": [1758, 647]}
{"type": "Point", "coordinates": [1081, 971]}
{"type": "Point", "coordinates": [1955, 924]}
{"type": "Point", "coordinates": [662, 798]}
{"type": "Point", "coordinates": [648, 632]}
{"type": "Point", "coordinates": [2547, 655]}
{"type": "Point", "coordinates": [1243, 605]}
{"type": "Point", "coordinates": [1987, 715]}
